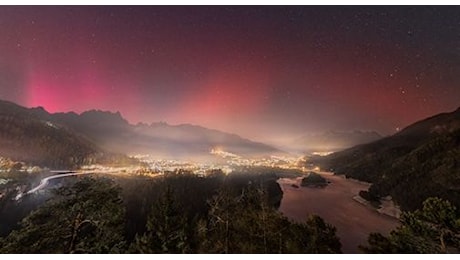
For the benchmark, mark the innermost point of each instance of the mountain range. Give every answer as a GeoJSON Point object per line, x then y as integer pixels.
{"type": "Point", "coordinates": [62, 139]}
{"type": "Point", "coordinates": [114, 133]}
{"type": "Point", "coordinates": [26, 137]}
{"type": "Point", "coordinates": [420, 161]}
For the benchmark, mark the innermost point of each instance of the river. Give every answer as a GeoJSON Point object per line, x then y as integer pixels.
{"type": "Point", "coordinates": [335, 204]}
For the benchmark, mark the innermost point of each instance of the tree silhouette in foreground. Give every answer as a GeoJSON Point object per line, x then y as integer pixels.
{"type": "Point", "coordinates": [248, 224]}
{"type": "Point", "coordinates": [87, 217]}
{"type": "Point", "coordinates": [238, 217]}
{"type": "Point", "coordinates": [166, 228]}
{"type": "Point", "coordinates": [433, 229]}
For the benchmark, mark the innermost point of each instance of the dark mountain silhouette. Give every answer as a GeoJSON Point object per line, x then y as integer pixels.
{"type": "Point", "coordinates": [421, 161]}
{"type": "Point", "coordinates": [114, 133]}
{"type": "Point", "coordinates": [333, 140]}
{"type": "Point", "coordinates": [27, 135]}
{"type": "Point", "coordinates": [36, 136]}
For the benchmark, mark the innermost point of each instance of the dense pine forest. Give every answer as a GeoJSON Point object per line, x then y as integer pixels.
{"type": "Point", "coordinates": [180, 213]}
{"type": "Point", "coordinates": [184, 213]}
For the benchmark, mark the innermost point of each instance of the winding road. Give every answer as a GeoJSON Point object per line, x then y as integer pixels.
{"type": "Point", "coordinates": [45, 181]}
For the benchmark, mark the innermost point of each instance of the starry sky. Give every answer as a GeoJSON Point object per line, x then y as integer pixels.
{"type": "Point", "coordinates": [266, 73]}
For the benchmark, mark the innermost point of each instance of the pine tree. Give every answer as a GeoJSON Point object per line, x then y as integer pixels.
{"type": "Point", "coordinates": [166, 228]}
{"type": "Point", "coordinates": [433, 229]}
{"type": "Point", "coordinates": [84, 218]}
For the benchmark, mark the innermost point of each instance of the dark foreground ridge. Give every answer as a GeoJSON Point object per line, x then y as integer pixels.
{"type": "Point", "coordinates": [421, 161]}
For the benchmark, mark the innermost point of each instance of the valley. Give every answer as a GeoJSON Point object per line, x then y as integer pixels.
{"type": "Point", "coordinates": [352, 208]}
{"type": "Point", "coordinates": [229, 129]}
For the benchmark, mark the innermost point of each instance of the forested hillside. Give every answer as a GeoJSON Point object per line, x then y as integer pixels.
{"type": "Point", "coordinates": [29, 138]}
{"type": "Point", "coordinates": [32, 137]}
{"type": "Point", "coordinates": [180, 213]}
{"type": "Point", "coordinates": [421, 161]}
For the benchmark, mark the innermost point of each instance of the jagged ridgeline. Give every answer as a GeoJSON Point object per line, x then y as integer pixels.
{"type": "Point", "coordinates": [34, 136]}
{"type": "Point", "coordinates": [31, 136]}
{"type": "Point", "coordinates": [421, 161]}
{"type": "Point", "coordinates": [112, 132]}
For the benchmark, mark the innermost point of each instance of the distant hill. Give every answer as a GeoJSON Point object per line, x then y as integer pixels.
{"type": "Point", "coordinates": [26, 136]}
{"type": "Point", "coordinates": [333, 140]}
{"type": "Point", "coordinates": [421, 161]}
{"type": "Point", "coordinates": [114, 133]}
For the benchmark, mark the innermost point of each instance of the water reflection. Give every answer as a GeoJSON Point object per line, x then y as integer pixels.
{"type": "Point", "coordinates": [335, 204]}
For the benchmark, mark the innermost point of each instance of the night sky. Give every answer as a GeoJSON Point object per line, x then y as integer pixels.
{"type": "Point", "coordinates": [267, 73]}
